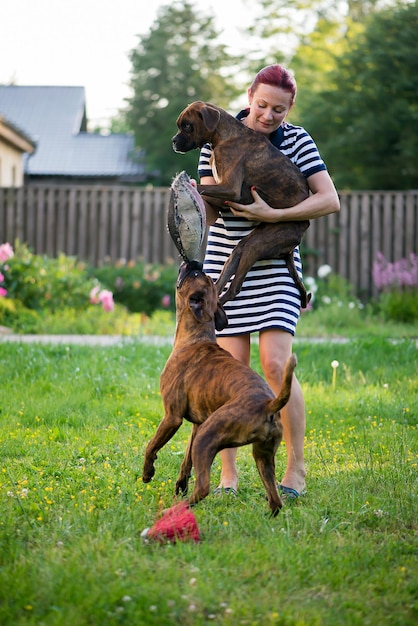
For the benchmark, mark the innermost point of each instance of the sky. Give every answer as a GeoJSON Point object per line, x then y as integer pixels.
{"type": "Point", "coordinates": [87, 43]}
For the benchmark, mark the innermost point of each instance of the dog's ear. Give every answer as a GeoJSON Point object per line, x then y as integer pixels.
{"type": "Point", "coordinates": [221, 320]}
{"type": "Point", "coordinates": [210, 116]}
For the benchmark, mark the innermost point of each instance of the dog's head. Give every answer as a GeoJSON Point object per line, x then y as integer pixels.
{"type": "Point", "coordinates": [197, 292]}
{"type": "Point", "coordinates": [196, 125]}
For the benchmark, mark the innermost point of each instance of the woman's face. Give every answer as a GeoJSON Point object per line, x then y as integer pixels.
{"type": "Point", "coordinates": [269, 106]}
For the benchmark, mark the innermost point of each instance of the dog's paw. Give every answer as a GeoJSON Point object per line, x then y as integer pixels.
{"type": "Point", "coordinates": [147, 473]}
{"type": "Point", "coordinates": [182, 486]}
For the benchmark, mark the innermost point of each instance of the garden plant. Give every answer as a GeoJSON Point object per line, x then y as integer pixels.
{"type": "Point", "coordinates": [398, 286]}
{"type": "Point", "coordinates": [39, 294]}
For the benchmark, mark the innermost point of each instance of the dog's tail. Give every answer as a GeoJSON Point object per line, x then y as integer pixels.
{"type": "Point", "coordinates": [278, 403]}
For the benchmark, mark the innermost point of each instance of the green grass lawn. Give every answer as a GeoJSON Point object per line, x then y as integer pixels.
{"type": "Point", "coordinates": [74, 424]}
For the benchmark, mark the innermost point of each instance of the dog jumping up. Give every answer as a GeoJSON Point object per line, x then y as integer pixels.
{"type": "Point", "coordinates": [243, 158]}
{"type": "Point", "coordinates": [228, 403]}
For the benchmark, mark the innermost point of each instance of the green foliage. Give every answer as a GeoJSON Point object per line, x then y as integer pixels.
{"type": "Point", "coordinates": [39, 288]}
{"type": "Point", "coordinates": [314, 64]}
{"type": "Point", "coordinates": [47, 295]}
{"type": "Point", "coordinates": [313, 33]}
{"type": "Point", "coordinates": [335, 310]}
{"type": "Point", "coordinates": [334, 298]}
{"type": "Point", "coordinates": [329, 288]}
{"type": "Point", "coordinates": [43, 283]}
{"type": "Point", "coordinates": [399, 305]}
{"type": "Point", "coordinates": [141, 287]}
{"type": "Point", "coordinates": [93, 321]}
{"type": "Point", "coordinates": [75, 423]}
{"type": "Point", "coordinates": [14, 315]}
{"type": "Point", "coordinates": [365, 116]}
{"type": "Point", "coordinates": [397, 283]}
{"type": "Point", "coordinates": [177, 62]}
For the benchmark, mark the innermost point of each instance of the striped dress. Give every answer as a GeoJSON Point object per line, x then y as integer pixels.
{"type": "Point", "coordinates": [268, 298]}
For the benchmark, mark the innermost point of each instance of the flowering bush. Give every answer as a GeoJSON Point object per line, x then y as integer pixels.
{"type": "Point", "coordinates": [398, 275]}
{"type": "Point", "coordinates": [398, 286]}
{"type": "Point", "coordinates": [6, 253]}
{"type": "Point", "coordinates": [333, 308]}
{"type": "Point", "coordinates": [103, 296]}
{"type": "Point", "coordinates": [34, 283]}
{"type": "Point", "coordinates": [141, 287]}
{"type": "Point", "coordinates": [329, 289]}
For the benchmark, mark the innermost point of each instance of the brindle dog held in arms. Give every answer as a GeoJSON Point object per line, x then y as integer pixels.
{"type": "Point", "coordinates": [228, 403]}
{"type": "Point", "coordinates": [243, 158]}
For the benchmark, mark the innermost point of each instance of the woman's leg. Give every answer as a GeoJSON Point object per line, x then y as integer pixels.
{"type": "Point", "coordinates": [275, 349]}
{"type": "Point", "coordinates": [239, 347]}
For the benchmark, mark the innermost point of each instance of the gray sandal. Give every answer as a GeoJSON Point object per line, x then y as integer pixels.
{"type": "Point", "coordinates": [227, 490]}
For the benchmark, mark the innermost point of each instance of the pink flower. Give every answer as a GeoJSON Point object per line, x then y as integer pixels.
{"type": "Point", "coordinates": [106, 298]}
{"type": "Point", "coordinates": [6, 252]}
{"type": "Point", "coordinates": [103, 297]}
{"type": "Point", "coordinates": [1, 277]}
{"type": "Point", "coordinates": [3, 292]}
{"type": "Point", "coordinates": [402, 273]}
{"type": "Point", "coordinates": [165, 301]}
{"type": "Point", "coordinates": [94, 295]}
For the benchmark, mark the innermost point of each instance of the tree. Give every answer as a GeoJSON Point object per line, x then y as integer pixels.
{"type": "Point", "coordinates": [365, 119]}
{"type": "Point", "coordinates": [177, 62]}
{"type": "Point", "coordinates": [314, 62]}
{"type": "Point", "coordinates": [308, 36]}
{"type": "Point", "coordinates": [288, 24]}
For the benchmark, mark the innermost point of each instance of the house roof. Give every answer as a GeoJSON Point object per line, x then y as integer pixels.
{"type": "Point", "coordinates": [14, 136]}
{"type": "Point", "coordinates": [55, 118]}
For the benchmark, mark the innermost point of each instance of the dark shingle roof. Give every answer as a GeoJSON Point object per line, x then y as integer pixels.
{"type": "Point", "coordinates": [55, 118]}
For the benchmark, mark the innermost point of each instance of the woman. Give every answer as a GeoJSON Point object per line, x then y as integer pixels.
{"type": "Point", "coordinates": [269, 301]}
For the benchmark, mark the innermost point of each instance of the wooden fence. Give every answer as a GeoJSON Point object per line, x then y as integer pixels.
{"type": "Point", "coordinates": [111, 223]}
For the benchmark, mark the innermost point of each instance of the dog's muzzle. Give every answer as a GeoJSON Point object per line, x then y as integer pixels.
{"type": "Point", "coordinates": [189, 268]}
{"type": "Point", "coordinates": [175, 147]}
{"type": "Point", "coordinates": [181, 145]}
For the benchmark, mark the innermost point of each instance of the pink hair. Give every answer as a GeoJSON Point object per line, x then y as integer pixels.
{"type": "Point", "coordinates": [277, 76]}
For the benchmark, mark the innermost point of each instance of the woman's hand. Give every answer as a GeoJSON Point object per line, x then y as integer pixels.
{"type": "Point", "coordinates": [258, 211]}
{"type": "Point", "coordinates": [322, 200]}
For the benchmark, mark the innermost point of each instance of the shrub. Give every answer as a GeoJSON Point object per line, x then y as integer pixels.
{"type": "Point", "coordinates": [92, 321]}
{"type": "Point", "coordinates": [32, 285]}
{"type": "Point", "coordinates": [398, 286]}
{"type": "Point", "coordinates": [141, 287]}
{"type": "Point", "coordinates": [14, 315]}
{"type": "Point", "coordinates": [39, 294]}
{"type": "Point", "coordinates": [401, 306]}
{"type": "Point", "coordinates": [43, 283]}
{"type": "Point", "coordinates": [333, 306]}
{"type": "Point", "coordinates": [331, 290]}
{"type": "Point", "coordinates": [398, 275]}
